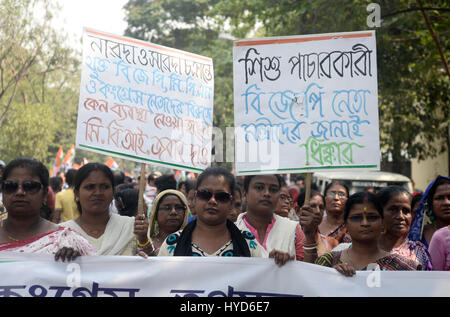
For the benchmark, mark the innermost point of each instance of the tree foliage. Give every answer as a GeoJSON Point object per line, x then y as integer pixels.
{"type": "Point", "coordinates": [413, 84]}
{"type": "Point", "coordinates": [38, 82]}
{"type": "Point", "coordinates": [39, 75]}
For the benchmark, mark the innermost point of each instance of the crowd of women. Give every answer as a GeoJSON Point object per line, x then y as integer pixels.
{"type": "Point", "coordinates": [217, 216]}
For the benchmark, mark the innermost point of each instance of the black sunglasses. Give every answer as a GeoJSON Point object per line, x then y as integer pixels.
{"type": "Point", "coordinates": [205, 194]}
{"type": "Point", "coordinates": [29, 187]}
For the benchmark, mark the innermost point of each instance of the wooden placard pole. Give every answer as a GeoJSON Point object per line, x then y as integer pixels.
{"type": "Point", "coordinates": [142, 183]}
{"type": "Point", "coordinates": [308, 188]}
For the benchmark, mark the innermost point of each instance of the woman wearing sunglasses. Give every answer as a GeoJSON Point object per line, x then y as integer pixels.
{"type": "Point", "coordinates": [363, 217]}
{"type": "Point", "coordinates": [212, 234]}
{"type": "Point", "coordinates": [24, 187]}
{"type": "Point", "coordinates": [169, 214]}
{"type": "Point", "coordinates": [110, 234]}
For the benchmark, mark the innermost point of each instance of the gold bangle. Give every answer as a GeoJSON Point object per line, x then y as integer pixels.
{"type": "Point", "coordinates": [145, 244]}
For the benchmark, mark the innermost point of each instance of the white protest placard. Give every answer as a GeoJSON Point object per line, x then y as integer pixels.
{"type": "Point", "coordinates": [306, 103]}
{"type": "Point", "coordinates": [145, 102]}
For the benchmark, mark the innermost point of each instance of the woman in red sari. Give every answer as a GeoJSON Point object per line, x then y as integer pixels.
{"type": "Point", "coordinates": [24, 187]}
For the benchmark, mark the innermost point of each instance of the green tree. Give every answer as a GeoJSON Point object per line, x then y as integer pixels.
{"type": "Point", "coordinates": [38, 82]}
{"type": "Point", "coordinates": [413, 82]}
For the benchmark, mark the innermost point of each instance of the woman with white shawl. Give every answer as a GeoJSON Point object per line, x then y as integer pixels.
{"type": "Point", "coordinates": [110, 234]}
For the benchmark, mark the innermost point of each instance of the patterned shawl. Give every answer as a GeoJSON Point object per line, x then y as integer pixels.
{"type": "Point", "coordinates": [50, 243]}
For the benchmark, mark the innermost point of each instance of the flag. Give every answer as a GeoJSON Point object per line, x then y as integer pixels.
{"type": "Point", "coordinates": [57, 162]}
{"type": "Point", "coordinates": [112, 164]}
{"type": "Point", "coordinates": [68, 159]}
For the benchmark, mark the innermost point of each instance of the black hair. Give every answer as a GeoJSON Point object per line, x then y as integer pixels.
{"type": "Point", "coordinates": [218, 171]}
{"type": "Point", "coordinates": [36, 167]}
{"type": "Point", "coordinates": [180, 184]}
{"type": "Point", "coordinates": [70, 176]}
{"type": "Point", "coordinates": [387, 193]}
{"type": "Point", "coordinates": [361, 198]}
{"type": "Point", "coordinates": [84, 173]}
{"type": "Point", "coordinates": [151, 177]}
{"type": "Point", "coordinates": [166, 181]}
{"type": "Point", "coordinates": [128, 179]}
{"type": "Point", "coordinates": [119, 177]}
{"type": "Point", "coordinates": [123, 186]}
{"type": "Point", "coordinates": [128, 201]}
{"type": "Point", "coordinates": [248, 179]}
{"type": "Point", "coordinates": [56, 183]}
{"type": "Point", "coordinates": [191, 184]}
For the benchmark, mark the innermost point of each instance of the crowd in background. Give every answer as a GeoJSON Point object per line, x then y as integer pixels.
{"type": "Point", "coordinates": [94, 211]}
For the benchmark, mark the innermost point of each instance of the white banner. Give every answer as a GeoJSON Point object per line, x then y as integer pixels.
{"type": "Point", "coordinates": [306, 103]}
{"type": "Point", "coordinates": [145, 102]}
{"type": "Point", "coordinates": [31, 275]}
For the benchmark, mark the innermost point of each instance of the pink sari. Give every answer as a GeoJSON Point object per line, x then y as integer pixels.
{"type": "Point", "coordinates": [50, 242]}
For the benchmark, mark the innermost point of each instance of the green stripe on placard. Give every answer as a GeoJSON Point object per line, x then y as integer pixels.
{"type": "Point", "coordinates": [139, 158]}
{"type": "Point", "coordinates": [307, 168]}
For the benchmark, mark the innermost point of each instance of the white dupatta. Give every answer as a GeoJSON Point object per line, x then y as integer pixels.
{"type": "Point", "coordinates": [118, 234]}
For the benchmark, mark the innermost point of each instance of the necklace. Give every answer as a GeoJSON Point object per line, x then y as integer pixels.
{"type": "Point", "coordinates": [9, 237]}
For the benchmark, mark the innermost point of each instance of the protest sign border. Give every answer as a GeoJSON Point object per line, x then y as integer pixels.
{"type": "Point", "coordinates": [307, 169]}
{"type": "Point", "coordinates": [299, 39]}
{"type": "Point", "coordinates": [303, 38]}
{"type": "Point", "coordinates": [138, 158]}
{"type": "Point", "coordinates": [144, 43]}
{"type": "Point", "coordinates": [173, 51]}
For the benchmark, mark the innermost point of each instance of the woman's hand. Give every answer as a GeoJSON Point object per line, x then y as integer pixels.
{"type": "Point", "coordinates": [141, 228]}
{"type": "Point", "coordinates": [310, 219]}
{"type": "Point", "coordinates": [66, 253]}
{"type": "Point", "coordinates": [345, 269]}
{"type": "Point", "coordinates": [281, 257]}
{"type": "Point", "coordinates": [142, 254]}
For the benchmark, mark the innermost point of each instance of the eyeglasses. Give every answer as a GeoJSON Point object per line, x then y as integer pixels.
{"type": "Point", "coordinates": [359, 218]}
{"type": "Point", "coordinates": [29, 187]}
{"type": "Point", "coordinates": [168, 208]}
{"type": "Point", "coordinates": [340, 194]}
{"type": "Point", "coordinates": [222, 197]}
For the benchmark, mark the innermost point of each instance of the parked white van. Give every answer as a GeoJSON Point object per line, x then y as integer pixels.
{"type": "Point", "coordinates": [357, 181]}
